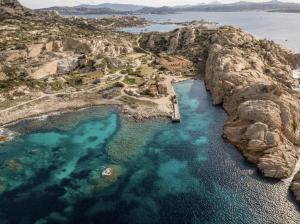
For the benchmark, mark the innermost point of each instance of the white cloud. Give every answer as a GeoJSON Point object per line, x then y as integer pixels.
{"type": "Point", "coordinates": [48, 3]}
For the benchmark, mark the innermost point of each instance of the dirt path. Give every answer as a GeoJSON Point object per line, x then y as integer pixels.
{"type": "Point", "coordinates": [45, 95]}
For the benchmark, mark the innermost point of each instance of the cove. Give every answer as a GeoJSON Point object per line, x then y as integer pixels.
{"type": "Point", "coordinates": [162, 172]}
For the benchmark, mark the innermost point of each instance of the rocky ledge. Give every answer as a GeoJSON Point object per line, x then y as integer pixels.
{"type": "Point", "coordinates": [252, 79]}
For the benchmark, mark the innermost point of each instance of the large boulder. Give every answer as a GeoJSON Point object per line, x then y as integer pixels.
{"type": "Point", "coordinates": [54, 46]}
{"type": "Point", "coordinates": [67, 64]}
{"type": "Point", "coordinates": [264, 111]}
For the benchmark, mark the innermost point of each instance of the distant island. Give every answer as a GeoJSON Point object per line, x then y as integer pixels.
{"type": "Point", "coordinates": [241, 6]}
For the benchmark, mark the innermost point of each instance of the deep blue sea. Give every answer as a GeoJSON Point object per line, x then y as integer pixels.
{"type": "Point", "coordinates": [162, 172]}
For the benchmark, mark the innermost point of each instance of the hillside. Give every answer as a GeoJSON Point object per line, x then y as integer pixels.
{"type": "Point", "coordinates": [117, 7]}
{"type": "Point", "coordinates": [246, 6]}
{"type": "Point", "coordinates": [79, 10]}
{"type": "Point", "coordinates": [108, 8]}
{"type": "Point", "coordinates": [12, 8]}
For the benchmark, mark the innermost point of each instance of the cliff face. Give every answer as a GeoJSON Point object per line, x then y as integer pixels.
{"type": "Point", "coordinates": [189, 40]}
{"type": "Point", "coordinates": [12, 9]}
{"type": "Point", "coordinates": [253, 81]}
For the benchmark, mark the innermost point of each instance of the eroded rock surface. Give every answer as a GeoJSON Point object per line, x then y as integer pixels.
{"type": "Point", "coordinates": [253, 81]}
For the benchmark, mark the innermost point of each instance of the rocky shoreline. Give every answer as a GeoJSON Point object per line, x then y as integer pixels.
{"type": "Point", "coordinates": [253, 81]}
{"type": "Point", "coordinates": [6, 135]}
{"type": "Point", "coordinates": [39, 109]}
{"type": "Point", "coordinates": [75, 63]}
{"type": "Point", "coordinates": [43, 109]}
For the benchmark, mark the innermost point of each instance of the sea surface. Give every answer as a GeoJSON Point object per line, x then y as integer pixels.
{"type": "Point", "coordinates": [161, 172]}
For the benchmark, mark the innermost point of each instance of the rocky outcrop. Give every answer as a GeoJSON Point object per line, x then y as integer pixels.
{"type": "Point", "coordinates": [253, 81]}
{"type": "Point", "coordinates": [34, 50]}
{"type": "Point", "coordinates": [97, 46]}
{"type": "Point", "coordinates": [171, 42]}
{"type": "Point", "coordinates": [61, 57]}
{"type": "Point", "coordinates": [12, 9]}
{"type": "Point", "coordinates": [36, 45]}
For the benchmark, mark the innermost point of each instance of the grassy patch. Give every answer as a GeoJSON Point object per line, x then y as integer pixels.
{"type": "Point", "coordinates": [130, 80]}
{"type": "Point", "coordinates": [146, 70]}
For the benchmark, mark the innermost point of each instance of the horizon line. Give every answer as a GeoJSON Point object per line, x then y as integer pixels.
{"type": "Point", "coordinates": [157, 6]}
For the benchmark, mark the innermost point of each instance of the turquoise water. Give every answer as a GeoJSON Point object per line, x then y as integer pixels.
{"type": "Point", "coordinates": [161, 172]}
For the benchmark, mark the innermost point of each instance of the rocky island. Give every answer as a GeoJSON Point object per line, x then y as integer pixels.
{"type": "Point", "coordinates": [49, 63]}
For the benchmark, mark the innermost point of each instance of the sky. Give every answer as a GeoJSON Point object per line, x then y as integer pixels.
{"type": "Point", "coordinates": [47, 3]}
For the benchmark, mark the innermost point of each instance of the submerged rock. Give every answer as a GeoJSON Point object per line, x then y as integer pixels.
{"type": "Point", "coordinates": [3, 138]}
{"type": "Point", "coordinates": [96, 181]}
{"type": "Point", "coordinates": [6, 135]}
{"type": "Point", "coordinates": [13, 165]}
{"type": "Point", "coordinates": [3, 186]}
{"type": "Point", "coordinates": [107, 172]}
{"type": "Point", "coordinates": [108, 176]}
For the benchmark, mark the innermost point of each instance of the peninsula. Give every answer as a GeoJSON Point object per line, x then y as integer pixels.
{"type": "Point", "coordinates": [50, 63]}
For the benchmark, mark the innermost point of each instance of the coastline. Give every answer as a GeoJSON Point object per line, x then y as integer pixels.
{"type": "Point", "coordinates": [136, 93]}
{"type": "Point", "coordinates": [53, 104]}
{"type": "Point", "coordinates": [138, 115]}
{"type": "Point", "coordinates": [40, 109]}
{"type": "Point", "coordinates": [221, 152]}
{"type": "Point", "coordinates": [55, 112]}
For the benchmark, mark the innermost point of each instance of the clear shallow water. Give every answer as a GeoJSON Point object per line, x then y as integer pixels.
{"type": "Point", "coordinates": [283, 28]}
{"type": "Point", "coordinates": [162, 172]}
